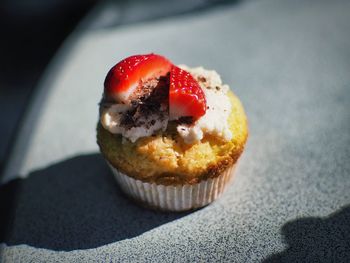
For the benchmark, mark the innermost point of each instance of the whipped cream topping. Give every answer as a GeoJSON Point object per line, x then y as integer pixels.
{"type": "Point", "coordinates": [115, 117]}
{"type": "Point", "coordinates": [215, 119]}
{"type": "Point", "coordinates": [112, 120]}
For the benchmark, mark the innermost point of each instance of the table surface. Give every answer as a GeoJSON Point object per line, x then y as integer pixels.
{"type": "Point", "coordinates": [289, 63]}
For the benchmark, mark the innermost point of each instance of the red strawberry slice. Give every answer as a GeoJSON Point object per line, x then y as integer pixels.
{"type": "Point", "coordinates": [123, 79]}
{"type": "Point", "coordinates": [186, 97]}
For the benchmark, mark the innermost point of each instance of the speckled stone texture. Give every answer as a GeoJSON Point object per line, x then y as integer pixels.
{"type": "Point", "coordinates": [288, 61]}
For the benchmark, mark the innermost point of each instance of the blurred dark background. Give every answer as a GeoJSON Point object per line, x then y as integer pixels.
{"type": "Point", "coordinates": [34, 30]}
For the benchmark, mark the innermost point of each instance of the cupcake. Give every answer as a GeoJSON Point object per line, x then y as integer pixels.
{"type": "Point", "coordinates": [171, 134]}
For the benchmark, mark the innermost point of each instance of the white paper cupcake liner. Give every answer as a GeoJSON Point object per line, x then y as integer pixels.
{"type": "Point", "coordinates": [178, 197]}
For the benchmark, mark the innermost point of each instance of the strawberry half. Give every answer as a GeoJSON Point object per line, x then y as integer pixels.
{"type": "Point", "coordinates": [124, 78]}
{"type": "Point", "coordinates": [186, 97]}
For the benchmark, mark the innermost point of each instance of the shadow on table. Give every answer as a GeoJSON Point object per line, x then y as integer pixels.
{"type": "Point", "coordinates": [73, 204]}
{"type": "Point", "coordinates": [316, 239]}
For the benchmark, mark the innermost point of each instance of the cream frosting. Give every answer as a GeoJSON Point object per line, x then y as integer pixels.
{"type": "Point", "coordinates": [215, 119]}
{"type": "Point", "coordinates": [111, 121]}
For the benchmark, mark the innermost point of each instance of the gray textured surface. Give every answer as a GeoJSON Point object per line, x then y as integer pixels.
{"type": "Point", "coordinates": [288, 61]}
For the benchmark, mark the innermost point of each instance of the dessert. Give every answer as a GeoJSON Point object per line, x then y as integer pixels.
{"type": "Point", "coordinates": [172, 135]}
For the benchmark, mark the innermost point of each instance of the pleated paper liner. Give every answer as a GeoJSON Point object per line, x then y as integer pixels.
{"type": "Point", "coordinates": [177, 197]}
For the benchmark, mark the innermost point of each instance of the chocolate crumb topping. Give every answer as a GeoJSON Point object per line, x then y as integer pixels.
{"type": "Point", "coordinates": [152, 99]}
{"type": "Point", "coordinates": [186, 120]}
{"type": "Point", "coordinates": [202, 79]}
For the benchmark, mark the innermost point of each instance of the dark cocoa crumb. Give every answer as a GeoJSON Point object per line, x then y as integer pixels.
{"type": "Point", "coordinates": [148, 102]}
{"type": "Point", "coordinates": [202, 79]}
{"type": "Point", "coordinates": [186, 120]}
{"type": "Point", "coordinates": [127, 119]}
